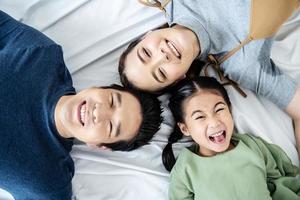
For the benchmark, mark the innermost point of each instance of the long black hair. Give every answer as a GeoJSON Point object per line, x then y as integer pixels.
{"type": "Point", "coordinates": [183, 90]}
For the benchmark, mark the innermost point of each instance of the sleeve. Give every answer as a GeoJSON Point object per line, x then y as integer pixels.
{"type": "Point", "coordinates": [178, 189]}
{"type": "Point", "coordinates": [280, 171]}
{"type": "Point", "coordinates": [252, 68]}
{"type": "Point", "coordinates": [275, 85]}
{"type": "Point", "coordinates": [62, 193]}
{"type": "Point", "coordinates": [16, 35]}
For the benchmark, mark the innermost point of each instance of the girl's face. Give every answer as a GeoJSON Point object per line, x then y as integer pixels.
{"type": "Point", "coordinates": [208, 121]}
{"type": "Point", "coordinates": [161, 58]}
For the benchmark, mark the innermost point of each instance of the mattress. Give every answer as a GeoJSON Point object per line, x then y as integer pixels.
{"type": "Point", "coordinates": [93, 34]}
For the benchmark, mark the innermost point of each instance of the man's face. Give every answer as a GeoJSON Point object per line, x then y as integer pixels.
{"type": "Point", "coordinates": [98, 115]}
{"type": "Point", "coordinates": [161, 58]}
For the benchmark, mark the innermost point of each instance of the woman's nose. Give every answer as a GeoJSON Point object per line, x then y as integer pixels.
{"type": "Point", "coordinates": [164, 54]}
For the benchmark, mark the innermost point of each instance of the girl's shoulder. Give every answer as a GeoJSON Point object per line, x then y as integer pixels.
{"type": "Point", "coordinates": [186, 156]}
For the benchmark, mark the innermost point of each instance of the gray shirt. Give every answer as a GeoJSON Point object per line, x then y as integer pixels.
{"type": "Point", "coordinates": [221, 26]}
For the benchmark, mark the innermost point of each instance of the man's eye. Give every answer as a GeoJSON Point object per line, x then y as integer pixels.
{"type": "Point", "coordinates": [111, 100]}
{"type": "Point", "coordinates": [110, 128]}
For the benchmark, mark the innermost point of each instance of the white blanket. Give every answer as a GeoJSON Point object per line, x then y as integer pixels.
{"type": "Point", "coordinates": [93, 33]}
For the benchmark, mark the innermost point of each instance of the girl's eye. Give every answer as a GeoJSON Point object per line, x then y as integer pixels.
{"type": "Point", "coordinates": [200, 118]}
{"type": "Point", "coordinates": [220, 109]}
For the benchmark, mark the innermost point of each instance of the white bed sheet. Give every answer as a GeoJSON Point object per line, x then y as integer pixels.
{"type": "Point", "coordinates": [93, 33]}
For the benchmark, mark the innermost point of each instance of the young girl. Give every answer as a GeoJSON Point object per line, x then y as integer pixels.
{"type": "Point", "coordinates": [222, 164]}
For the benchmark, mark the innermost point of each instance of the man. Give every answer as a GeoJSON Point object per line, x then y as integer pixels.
{"type": "Point", "coordinates": [40, 114]}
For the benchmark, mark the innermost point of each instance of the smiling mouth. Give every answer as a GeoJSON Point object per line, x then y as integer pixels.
{"type": "Point", "coordinates": [81, 113]}
{"type": "Point", "coordinates": [218, 137]}
{"type": "Point", "coordinates": [174, 49]}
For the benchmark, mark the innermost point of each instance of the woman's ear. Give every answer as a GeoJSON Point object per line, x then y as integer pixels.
{"type": "Point", "coordinates": [145, 35]}
{"type": "Point", "coordinates": [180, 78]}
{"type": "Point", "coordinates": [183, 128]}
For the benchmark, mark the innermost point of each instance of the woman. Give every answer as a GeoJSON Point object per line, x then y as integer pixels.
{"type": "Point", "coordinates": [200, 28]}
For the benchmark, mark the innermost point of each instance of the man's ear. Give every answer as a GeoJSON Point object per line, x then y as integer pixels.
{"type": "Point", "coordinates": [100, 147]}
{"type": "Point", "coordinates": [104, 148]}
{"type": "Point", "coordinates": [183, 128]}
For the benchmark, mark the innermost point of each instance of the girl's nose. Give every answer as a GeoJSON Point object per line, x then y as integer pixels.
{"type": "Point", "coordinates": [214, 122]}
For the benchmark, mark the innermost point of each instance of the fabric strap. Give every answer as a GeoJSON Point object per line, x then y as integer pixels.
{"type": "Point", "coordinates": [155, 3]}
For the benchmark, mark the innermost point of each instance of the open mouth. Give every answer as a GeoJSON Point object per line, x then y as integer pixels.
{"type": "Point", "coordinates": [218, 137]}
{"type": "Point", "coordinates": [174, 49]}
{"type": "Point", "coordinates": [81, 112]}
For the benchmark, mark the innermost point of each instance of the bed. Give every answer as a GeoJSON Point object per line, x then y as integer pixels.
{"type": "Point", "coordinates": [93, 33]}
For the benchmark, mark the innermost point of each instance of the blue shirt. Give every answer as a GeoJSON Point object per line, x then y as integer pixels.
{"type": "Point", "coordinates": [34, 159]}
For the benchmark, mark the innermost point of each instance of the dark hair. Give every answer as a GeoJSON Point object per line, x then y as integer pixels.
{"type": "Point", "coordinates": [151, 114]}
{"type": "Point", "coordinates": [194, 69]}
{"type": "Point", "coordinates": [183, 90]}
{"type": "Point", "coordinates": [123, 78]}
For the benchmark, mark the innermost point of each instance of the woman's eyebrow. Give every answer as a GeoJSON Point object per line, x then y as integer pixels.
{"type": "Point", "coordinates": [155, 77]}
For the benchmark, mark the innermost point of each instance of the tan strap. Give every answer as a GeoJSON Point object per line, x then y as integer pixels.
{"type": "Point", "coordinates": [216, 66]}
{"type": "Point", "coordinates": [213, 62]}
{"type": "Point", "coordinates": [266, 18]}
{"type": "Point", "coordinates": [233, 51]}
{"type": "Point", "coordinates": [155, 3]}
{"type": "Point", "coordinates": [164, 4]}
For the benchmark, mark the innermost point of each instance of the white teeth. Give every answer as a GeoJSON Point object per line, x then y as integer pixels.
{"type": "Point", "coordinates": [82, 113]}
{"type": "Point", "coordinates": [217, 134]}
{"type": "Point", "coordinates": [174, 50]}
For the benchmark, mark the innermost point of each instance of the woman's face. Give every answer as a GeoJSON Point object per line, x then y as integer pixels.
{"type": "Point", "coordinates": [161, 58]}
{"type": "Point", "coordinates": [208, 121]}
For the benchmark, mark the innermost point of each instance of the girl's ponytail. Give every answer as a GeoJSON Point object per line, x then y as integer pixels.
{"type": "Point", "coordinates": [168, 157]}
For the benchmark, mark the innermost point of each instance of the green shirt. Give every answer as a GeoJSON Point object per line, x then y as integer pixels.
{"type": "Point", "coordinates": [253, 170]}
